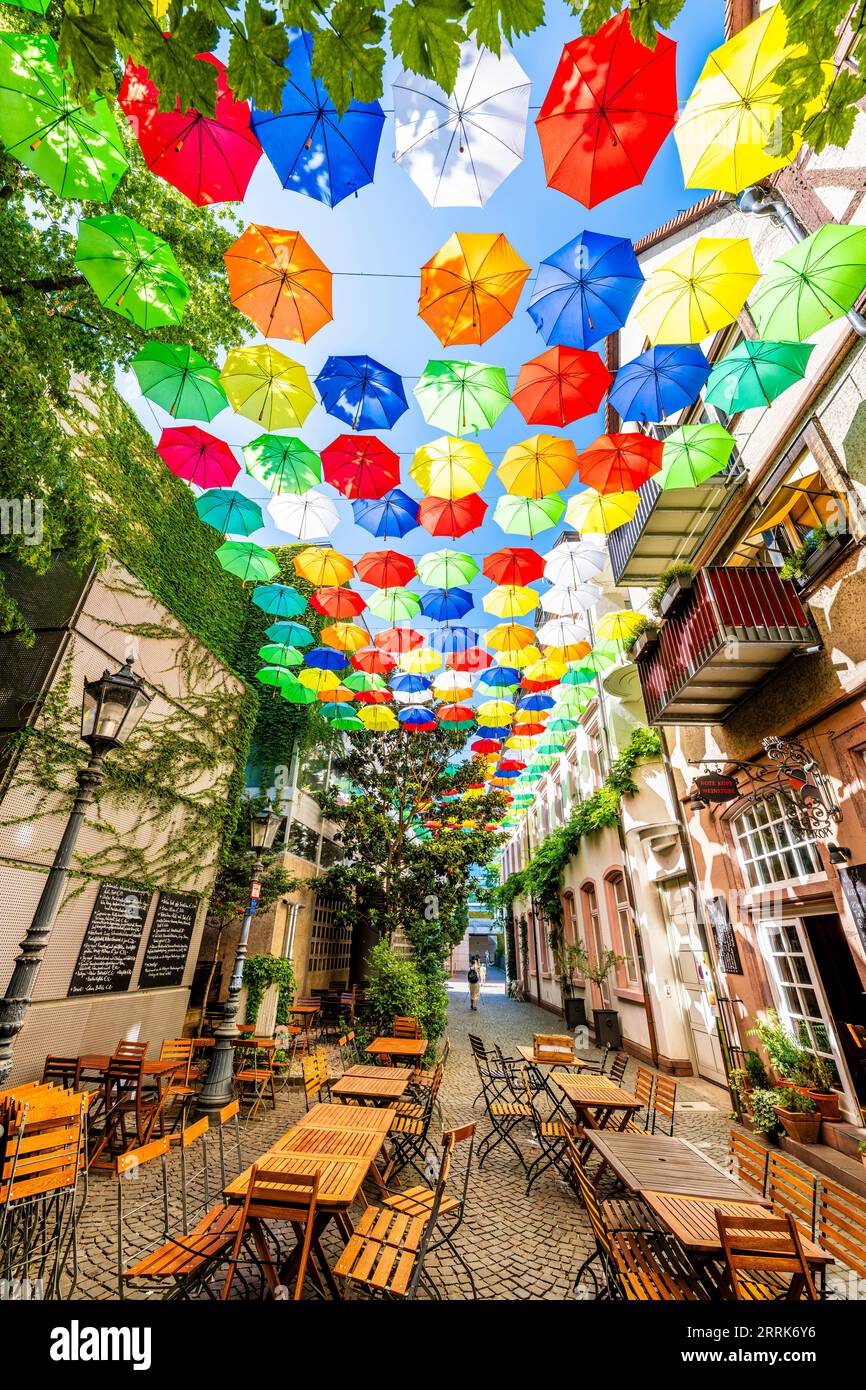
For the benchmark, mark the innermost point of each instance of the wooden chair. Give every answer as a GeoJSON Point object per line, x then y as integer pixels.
{"type": "Point", "coordinates": [286, 1042]}
{"type": "Point", "coordinates": [62, 1071]}
{"type": "Point", "coordinates": [841, 1226]}
{"type": "Point", "coordinates": [792, 1189]}
{"type": "Point", "coordinates": [255, 1073]}
{"type": "Point", "coordinates": [551, 1136]}
{"type": "Point", "coordinates": [754, 1247]}
{"type": "Point", "coordinates": [180, 1090]}
{"type": "Point", "coordinates": [505, 1116]}
{"type": "Point", "coordinates": [406, 1028]}
{"type": "Point", "coordinates": [229, 1138]}
{"type": "Point", "coordinates": [596, 1064]}
{"type": "Point", "coordinates": [347, 1005]}
{"type": "Point", "coordinates": [314, 1070]}
{"type": "Point", "coordinates": [417, 1202]}
{"type": "Point", "coordinates": [747, 1160]}
{"type": "Point", "coordinates": [424, 1076]}
{"type": "Point", "coordinates": [664, 1104]}
{"type": "Point", "coordinates": [288, 1198]}
{"type": "Point", "coordinates": [408, 1132]}
{"type": "Point", "coordinates": [618, 1067]}
{"type": "Point", "coordinates": [350, 1055]}
{"type": "Point", "coordinates": [124, 1100]}
{"type": "Point", "coordinates": [644, 1085]}
{"type": "Point", "coordinates": [131, 1051]}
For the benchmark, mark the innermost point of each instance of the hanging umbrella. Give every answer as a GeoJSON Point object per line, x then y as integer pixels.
{"type": "Point", "coordinates": [564, 603]}
{"type": "Point", "coordinates": [473, 659]}
{"type": "Point", "coordinates": [280, 654]}
{"type": "Point", "coordinates": [416, 721]}
{"type": "Point", "coordinates": [599, 513]}
{"type": "Point", "coordinates": [610, 107]}
{"type": "Point", "coordinates": [275, 675]}
{"type": "Point", "coordinates": [313, 150]}
{"type": "Point", "coordinates": [374, 697]}
{"type": "Point", "coordinates": [398, 639]}
{"type": "Point", "coordinates": [510, 601]}
{"type": "Point", "coordinates": [585, 290]}
{"type": "Point", "coordinates": [297, 694]}
{"type": "Point", "coordinates": [659, 382]}
{"type": "Point", "coordinates": [526, 516]}
{"type": "Point", "coordinates": [267, 387]}
{"type": "Point", "coordinates": [197, 456]}
{"type": "Point", "coordinates": [754, 373]}
{"type": "Point", "coordinates": [495, 711]}
{"type": "Point", "coordinates": [392, 515]}
{"type": "Point", "coordinates": [309, 517]}
{"type": "Point", "coordinates": [248, 561]}
{"type": "Point", "coordinates": [698, 291]}
{"type": "Point", "coordinates": [456, 714]}
{"type": "Point", "coordinates": [394, 604]}
{"type": "Point", "coordinates": [560, 632]}
{"type": "Point", "coordinates": [485, 745]}
{"type": "Point", "coordinates": [292, 634]}
{"type": "Point", "coordinates": [620, 462]}
{"type": "Point", "coordinates": [513, 565]}
{"type": "Point", "coordinates": [729, 131]}
{"type": "Point", "coordinates": [694, 453]}
{"type": "Point", "coordinates": [538, 466]}
{"type": "Point", "coordinates": [458, 147]}
{"type": "Point", "coordinates": [535, 704]}
{"type": "Point", "coordinates": [619, 626]}
{"type": "Point", "coordinates": [510, 637]}
{"type": "Point", "coordinates": [326, 659]}
{"type": "Point", "coordinates": [77, 153]}
{"type": "Point", "coordinates": [229, 512]}
{"type": "Point", "coordinates": [179, 380]}
{"type": "Point", "coordinates": [450, 468]}
{"type": "Point", "coordinates": [320, 681]}
{"type": "Point", "coordinates": [462, 397]}
{"type": "Point", "coordinates": [445, 604]}
{"type": "Point", "coordinates": [499, 678]}
{"type": "Point", "coordinates": [363, 683]}
{"type": "Point", "coordinates": [279, 600]}
{"type": "Point", "coordinates": [444, 568]}
{"type": "Point", "coordinates": [336, 602]}
{"type": "Point", "coordinates": [444, 518]}
{"type": "Point", "coordinates": [818, 280]}
{"type": "Point", "coordinates": [283, 464]}
{"type": "Point", "coordinates": [362, 392]}
{"type": "Point", "coordinates": [278, 282]}
{"type": "Point", "coordinates": [385, 568]}
{"type": "Point", "coordinates": [345, 637]}
{"type": "Point", "coordinates": [208, 158]}
{"type": "Point", "coordinates": [454, 685]}
{"type": "Point", "coordinates": [457, 639]}
{"type": "Point", "coordinates": [562, 385]}
{"type": "Point", "coordinates": [470, 288]}
{"type": "Point", "coordinates": [320, 565]}
{"type": "Point", "coordinates": [378, 719]}
{"type": "Point", "coordinates": [360, 466]}
{"type": "Point", "coordinates": [421, 661]}
{"type": "Point", "coordinates": [573, 564]}
{"type": "Point", "coordinates": [131, 271]}
{"type": "Point", "coordinates": [373, 662]}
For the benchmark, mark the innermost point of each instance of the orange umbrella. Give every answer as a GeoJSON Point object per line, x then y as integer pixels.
{"type": "Point", "coordinates": [470, 288]}
{"type": "Point", "coordinates": [279, 283]}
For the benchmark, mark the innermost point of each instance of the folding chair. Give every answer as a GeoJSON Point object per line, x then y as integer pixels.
{"type": "Point", "coordinates": [644, 1084]}
{"type": "Point", "coordinates": [595, 1064]}
{"type": "Point", "coordinates": [618, 1067]}
{"type": "Point", "coordinates": [350, 1054]}
{"type": "Point", "coordinates": [123, 1098]}
{"type": "Point", "coordinates": [754, 1247]}
{"type": "Point", "coordinates": [285, 1047]}
{"type": "Point", "coordinates": [406, 1028]}
{"type": "Point", "coordinates": [62, 1071]}
{"type": "Point", "coordinates": [407, 1134]}
{"type": "Point", "coordinates": [841, 1226]}
{"type": "Point", "coordinates": [551, 1136]}
{"type": "Point", "coordinates": [504, 1115]}
{"type": "Point", "coordinates": [131, 1051]}
{"type": "Point", "coordinates": [424, 1076]}
{"type": "Point", "coordinates": [230, 1158]}
{"type": "Point", "coordinates": [792, 1190]}
{"type": "Point", "coordinates": [418, 1201]}
{"type": "Point", "coordinates": [255, 1073]}
{"type": "Point", "coordinates": [180, 1089]}
{"type": "Point", "coordinates": [747, 1160]}
{"type": "Point", "coordinates": [417, 1109]}
{"type": "Point", "coordinates": [664, 1104]}
{"type": "Point", "coordinates": [277, 1197]}
{"type": "Point", "coordinates": [314, 1070]}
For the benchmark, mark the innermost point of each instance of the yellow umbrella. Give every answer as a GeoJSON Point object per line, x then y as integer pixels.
{"type": "Point", "coordinates": [378, 718]}
{"type": "Point", "coordinates": [510, 601]}
{"type": "Point", "coordinates": [600, 513]}
{"type": "Point", "coordinates": [450, 468]}
{"type": "Point", "coordinates": [318, 681]}
{"type": "Point", "coordinates": [497, 711]}
{"type": "Point", "coordinates": [453, 694]}
{"type": "Point", "coordinates": [698, 291]}
{"type": "Point", "coordinates": [520, 741]}
{"type": "Point", "coordinates": [322, 566]}
{"type": "Point", "coordinates": [547, 669]}
{"type": "Point", "coordinates": [538, 466]}
{"type": "Point", "coordinates": [572, 652]}
{"type": "Point", "coordinates": [530, 716]}
{"type": "Point", "coordinates": [266, 386]}
{"type": "Point", "coordinates": [518, 657]}
{"type": "Point", "coordinates": [420, 662]}
{"type": "Point", "coordinates": [510, 636]}
{"type": "Point", "coordinates": [729, 132]}
{"type": "Point", "coordinates": [470, 288]}
{"type": "Point", "coordinates": [345, 637]}
{"type": "Point", "coordinates": [619, 626]}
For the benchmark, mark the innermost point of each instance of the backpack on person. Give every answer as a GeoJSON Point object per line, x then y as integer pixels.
{"type": "Point", "coordinates": [472, 977]}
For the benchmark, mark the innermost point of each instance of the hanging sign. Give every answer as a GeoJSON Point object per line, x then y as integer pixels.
{"type": "Point", "coordinates": [717, 786]}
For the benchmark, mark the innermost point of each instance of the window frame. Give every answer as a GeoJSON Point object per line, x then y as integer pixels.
{"type": "Point", "coordinates": [779, 850]}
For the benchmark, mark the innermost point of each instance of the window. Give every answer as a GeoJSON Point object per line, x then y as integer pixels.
{"type": "Point", "coordinates": [330, 945]}
{"type": "Point", "coordinates": [622, 910]}
{"type": "Point", "coordinates": [799, 1005]}
{"type": "Point", "coordinates": [800, 503]}
{"type": "Point", "coordinates": [768, 844]}
{"type": "Point", "coordinates": [595, 941]}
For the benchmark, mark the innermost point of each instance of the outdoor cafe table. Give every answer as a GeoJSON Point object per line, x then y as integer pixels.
{"type": "Point", "coordinates": [542, 1082]}
{"type": "Point", "coordinates": [372, 1085]}
{"type": "Point", "coordinates": [412, 1049]}
{"type": "Point", "coordinates": [598, 1102]}
{"type": "Point", "coordinates": [306, 1013]}
{"type": "Point", "coordinates": [158, 1074]}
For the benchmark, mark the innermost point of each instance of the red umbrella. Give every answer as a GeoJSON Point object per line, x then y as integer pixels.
{"type": "Point", "coordinates": [398, 639]}
{"type": "Point", "coordinates": [209, 158]}
{"type": "Point", "coordinates": [486, 745]}
{"type": "Point", "coordinates": [361, 466]}
{"type": "Point", "coordinates": [444, 517]}
{"type": "Point", "coordinates": [336, 602]}
{"type": "Point", "coordinates": [374, 662]}
{"type": "Point", "coordinates": [561, 385]}
{"type": "Point", "coordinates": [472, 659]}
{"type": "Point", "coordinates": [513, 565]}
{"type": "Point", "coordinates": [609, 108]}
{"type": "Point", "coordinates": [197, 456]}
{"type": "Point", "coordinates": [511, 765]}
{"type": "Point", "coordinates": [528, 730]}
{"type": "Point", "coordinates": [386, 569]}
{"type": "Point", "coordinates": [455, 714]}
{"type": "Point", "coordinates": [620, 462]}
{"type": "Point", "coordinates": [374, 697]}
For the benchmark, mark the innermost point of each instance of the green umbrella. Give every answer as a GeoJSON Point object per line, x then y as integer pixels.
{"type": "Point", "coordinates": [755, 373]}
{"type": "Point", "coordinates": [334, 709]}
{"type": "Point", "coordinates": [36, 6]}
{"type": "Point", "coordinates": [131, 271]}
{"type": "Point", "coordinates": [229, 511]}
{"type": "Point", "coordinates": [279, 600]}
{"type": "Point", "coordinates": [297, 694]}
{"type": "Point", "coordinates": [250, 562]}
{"type": "Point", "coordinates": [361, 682]}
{"type": "Point", "coordinates": [348, 723]}
{"type": "Point", "coordinates": [280, 654]}
{"type": "Point", "coordinates": [817, 281]}
{"type": "Point", "coordinates": [561, 724]}
{"type": "Point", "coordinates": [283, 464]}
{"type": "Point", "coordinates": [694, 453]}
{"type": "Point", "coordinates": [293, 634]}
{"type": "Point", "coordinates": [526, 516]}
{"type": "Point", "coordinates": [445, 569]}
{"type": "Point", "coordinates": [77, 153]}
{"type": "Point", "coordinates": [579, 675]}
{"type": "Point", "coordinates": [274, 675]}
{"type": "Point", "coordinates": [394, 604]}
{"type": "Point", "coordinates": [462, 397]}
{"type": "Point", "coordinates": [179, 380]}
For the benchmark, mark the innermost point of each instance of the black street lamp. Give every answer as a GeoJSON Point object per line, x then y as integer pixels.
{"type": "Point", "coordinates": [111, 710]}
{"type": "Point", "coordinates": [217, 1089]}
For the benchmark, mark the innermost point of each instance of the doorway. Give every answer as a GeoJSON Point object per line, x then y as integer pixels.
{"type": "Point", "coordinates": [692, 978]}
{"type": "Point", "coordinates": [846, 996]}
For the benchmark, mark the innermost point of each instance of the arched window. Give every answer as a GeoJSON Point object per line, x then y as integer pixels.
{"type": "Point", "coordinates": [770, 848]}
{"type": "Point", "coordinates": [620, 912]}
{"type": "Point", "coordinates": [595, 942]}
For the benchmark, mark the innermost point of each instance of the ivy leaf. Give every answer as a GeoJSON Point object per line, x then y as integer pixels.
{"type": "Point", "coordinates": [426, 35]}
{"type": "Point", "coordinates": [347, 55]}
{"type": "Point", "coordinates": [493, 21]}
{"type": "Point", "coordinates": [301, 14]}
{"type": "Point", "coordinates": [652, 15]}
{"type": "Point", "coordinates": [834, 123]}
{"type": "Point", "coordinates": [256, 54]}
{"type": "Point", "coordinates": [174, 66]}
{"type": "Point", "coordinates": [85, 51]}
{"type": "Point", "coordinates": [594, 13]}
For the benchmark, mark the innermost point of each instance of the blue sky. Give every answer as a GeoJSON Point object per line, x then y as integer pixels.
{"type": "Point", "coordinates": [390, 228]}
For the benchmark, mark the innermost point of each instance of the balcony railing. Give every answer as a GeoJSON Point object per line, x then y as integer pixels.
{"type": "Point", "coordinates": [729, 632]}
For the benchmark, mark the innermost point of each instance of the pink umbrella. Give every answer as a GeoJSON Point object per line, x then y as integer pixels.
{"type": "Point", "coordinates": [197, 456]}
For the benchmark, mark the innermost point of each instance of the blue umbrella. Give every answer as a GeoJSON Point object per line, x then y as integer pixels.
{"type": "Point", "coordinates": [391, 515]}
{"type": "Point", "coordinates": [489, 731]}
{"type": "Point", "coordinates": [415, 718]}
{"type": "Point", "coordinates": [508, 772]}
{"type": "Point", "coordinates": [537, 702]}
{"type": "Point", "coordinates": [659, 382]}
{"type": "Point", "coordinates": [293, 634]}
{"type": "Point", "coordinates": [362, 392]}
{"type": "Point", "coordinates": [408, 684]}
{"type": "Point", "coordinates": [326, 659]}
{"type": "Point", "coordinates": [502, 676]}
{"type": "Point", "coordinates": [445, 604]}
{"type": "Point", "coordinates": [313, 150]}
{"type": "Point", "coordinates": [279, 600]}
{"type": "Point", "coordinates": [457, 639]}
{"type": "Point", "coordinates": [585, 290]}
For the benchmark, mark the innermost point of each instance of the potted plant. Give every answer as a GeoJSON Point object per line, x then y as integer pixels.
{"type": "Point", "coordinates": [674, 581]}
{"type": "Point", "coordinates": [762, 1107]}
{"type": "Point", "coordinates": [798, 1114]}
{"type": "Point", "coordinates": [568, 960]}
{"type": "Point", "coordinates": [817, 549]}
{"type": "Point", "coordinates": [605, 1021]}
{"type": "Point", "coordinates": [814, 1077]}
{"type": "Point", "coordinates": [780, 1047]}
{"type": "Point", "coordinates": [861, 1149]}
{"type": "Point", "coordinates": [642, 639]}
{"type": "Point", "coordinates": [755, 1072]}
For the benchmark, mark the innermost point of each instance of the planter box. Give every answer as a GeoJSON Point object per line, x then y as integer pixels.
{"type": "Point", "coordinates": [644, 642]}
{"type": "Point", "coordinates": [828, 1102]}
{"type": "Point", "coordinates": [575, 1013]}
{"type": "Point", "coordinates": [803, 1129]}
{"type": "Point", "coordinates": [824, 555]}
{"type": "Point", "coordinates": [607, 1028]}
{"type": "Point", "coordinates": [673, 594]}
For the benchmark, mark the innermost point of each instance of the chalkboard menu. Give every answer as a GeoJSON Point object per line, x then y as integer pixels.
{"type": "Point", "coordinates": [110, 946]}
{"type": "Point", "coordinates": [168, 944]}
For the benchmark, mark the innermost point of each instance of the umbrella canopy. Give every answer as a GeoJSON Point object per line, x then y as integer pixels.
{"type": "Point", "coordinates": [320, 565]}
{"type": "Point", "coordinates": [450, 468]}
{"type": "Point", "coordinates": [131, 271]}
{"type": "Point", "coordinates": [398, 639]}
{"type": "Point", "coordinates": [313, 150]}
{"type": "Point", "coordinates": [275, 675]}
{"type": "Point", "coordinates": [378, 719]}
{"type": "Point", "coordinates": [562, 385]}
{"type": "Point", "coordinates": [659, 382]}
{"type": "Point", "coordinates": [538, 466]}
{"type": "Point", "coordinates": [694, 453]}
{"type": "Point", "coordinates": [755, 372]}
{"type": "Point", "coordinates": [345, 637]}
{"type": "Point", "coordinates": [289, 633]}
{"type": "Point", "coordinates": [443, 605]}
{"type": "Point", "coordinates": [394, 604]}
{"type": "Point", "coordinates": [698, 291]}
{"type": "Point", "coordinates": [458, 147]}
{"type": "Point", "coordinates": [607, 112]}
{"type": "Point", "coordinates": [513, 565]}
{"type": "Point", "coordinates": [421, 661]}
{"type": "Point", "coordinates": [320, 680]}
{"type": "Point", "coordinates": [454, 685]}
{"type": "Point", "coordinates": [620, 462]}
{"type": "Point", "coordinates": [209, 158]}
{"type": "Point", "coordinates": [360, 466]}
{"type": "Point", "coordinates": [619, 626]}
{"type": "Point", "coordinates": [510, 637]}
{"type": "Point", "coordinates": [526, 516]}
{"type": "Point", "coordinates": [817, 281]}
{"type": "Point", "coordinates": [462, 397]}
{"type": "Point", "coordinates": [267, 387]}
{"type": "Point", "coordinates": [599, 514]}
{"type": "Point", "coordinates": [564, 603]}
{"type": "Point", "coordinates": [334, 601]}
{"type": "Point", "coordinates": [573, 564]}
{"type": "Point", "coordinates": [279, 600]}
{"type": "Point", "coordinates": [283, 464]}
{"type": "Point", "coordinates": [561, 632]}
{"type": "Point", "coordinates": [373, 662]}
{"type": "Point", "coordinates": [278, 282]}
{"type": "Point", "coordinates": [510, 601]}
{"type": "Point", "coordinates": [470, 288]}
{"type": "Point", "coordinates": [248, 561]}
{"type": "Point", "coordinates": [362, 392]}
{"type": "Point", "coordinates": [229, 511]}
{"type": "Point", "coordinates": [77, 153]}
{"type": "Point", "coordinates": [180, 381]}
{"type": "Point", "coordinates": [442, 517]}
{"type": "Point", "coordinates": [280, 654]}
{"type": "Point", "coordinates": [445, 568]}
{"type": "Point", "coordinates": [456, 714]}
{"type": "Point", "coordinates": [326, 659]}
{"type": "Point", "coordinates": [197, 456]}
{"type": "Point", "coordinates": [416, 720]}
{"type": "Point", "coordinates": [585, 290]}
{"type": "Point", "coordinates": [309, 517]}
{"type": "Point", "coordinates": [392, 515]}
{"type": "Point", "coordinates": [363, 683]}
{"type": "Point", "coordinates": [385, 568]}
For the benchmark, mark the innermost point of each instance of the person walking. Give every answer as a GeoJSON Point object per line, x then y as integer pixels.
{"type": "Point", "coordinates": [474, 981]}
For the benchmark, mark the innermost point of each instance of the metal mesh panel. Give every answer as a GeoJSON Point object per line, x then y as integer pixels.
{"type": "Point", "coordinates": [47, 600]}
{"type": "Point", "coordinates": [23, 673]}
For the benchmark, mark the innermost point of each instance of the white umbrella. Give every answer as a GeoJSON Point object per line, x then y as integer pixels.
{"type": "Point", "coordinates": [459, 148]}
{"type": "Point", "coordinates": [452, 680]}
{"type": "Point", "coordinates": [562, 634]}
{"type": "Point", "coordinates": [412, 697]}
{"type": "Point", "coordinates": [572, 565]}
{"type": "Point", "coordinates": [308, 517]}
{"type": "Point", "coordinates": [565, 603]}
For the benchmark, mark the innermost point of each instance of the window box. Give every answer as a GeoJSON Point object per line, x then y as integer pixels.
{"type": "Point", "coordinates": [644, 642]}
{"type": "Point", "coordinates": [674, 593]}
{"type": "Point", "coordinates": [821, 559]}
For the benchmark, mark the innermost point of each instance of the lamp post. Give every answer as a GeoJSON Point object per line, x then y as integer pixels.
{"type": "Point", "coordinates": [217, 1089]}
{"type": "Point", "coordinates": [111, 709]}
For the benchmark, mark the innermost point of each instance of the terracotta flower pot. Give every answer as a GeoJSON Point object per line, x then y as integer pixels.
{"type": "Point", "coordinates": [828, 1103]}
{"type": "Point", "coordinates": [803, 1129]}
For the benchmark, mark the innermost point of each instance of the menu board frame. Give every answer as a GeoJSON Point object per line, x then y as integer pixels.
{"type": "Point", "coordinates": [103, 939]}
{"type": "Point", "coordinates": [153, 978]}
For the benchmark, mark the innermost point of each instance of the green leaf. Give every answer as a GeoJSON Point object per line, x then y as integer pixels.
{"type": "Point", "coordinates": [652, 15]}
{"type": "Point", "coordinates": [302, 14]}
{"type": "Point", "coordinates": [493, 21]}
{"type": "Point", "coordinates": [595, 13]}
{"type": "Point", "coordinates": [834, 123]}
{"type": "Point", "coordinates": [426, 36]}
{"type": "Point", "coordinates": [257, 52]}
{"type": "Point", "coordinates": [85, 51]}
{"type": "Point", "coordinates": [347, 55]}
{"type": "Point", "coordinates": [174, 66]}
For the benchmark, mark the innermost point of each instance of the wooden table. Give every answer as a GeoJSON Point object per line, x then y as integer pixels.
{"type": "Point", "coordinates": [372, 1085]}
{"type": "Point", "coordinates": [159, 1073]}
{"type": "Point", "coordinates": [597, 1100]}
{"type": "Point", "coordinates": [661, 1163]}
{"type": "Point", "coordinates": [565, 1061]}
{"type": "Point", "coordinates": [346, 1117]}
{"type": "Point", "coordinates": [97, 1062]}
{"type": "Point", "coordinates": [412, 1049]}
{"type": "Point", "coordinates": [540, 1082]}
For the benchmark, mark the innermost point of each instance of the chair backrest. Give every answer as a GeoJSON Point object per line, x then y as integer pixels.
{"type": "Point", "coordinates": [43, 1151]}
{"type": "Point", "coordinates": [137, 1200]}
{"type": "Point", "coordinates": [348, 1048]}
{"type": "Point", "coordinates": [792, 1188]}
{"type": "Point", "coordinates": [477, 1045]}
{"type": "Point", "coordinates": [406, 1028]}
{"type": "Point", "coordinates": [194, 1170]}
{"type": "Point", "coordinates": [450, 1139]}
{"type": "Point", "coordinates": [178, 1050]}
{"type": "Point", "coordinates": [308, 1001]}
{"type": "Point", "coordinates": [314, 1070]}
{"type": "Point", "coordinates": [767, 1244]}
{"type": "Point", "coordinates": [132, 1051]}
{"type": "Point", "coordinates": [589, 1197]}
{"type": "Point", "coordinates": [229, 1134]}
{"type": "Point", "coordinates": [841, 1227]}
{"type": "Point", "coordinates": [618, 1066]}
{"type": "Point", "coordinates": [277, 1196]}
{"type": "Point", "coordinates": [747, 1159]}
{"type": "Point", "coordinates": [435, 1083]}
{"type": "Point", "coordinates": [643, 1086]}
{"type": "Point", "coordinates": [246, 1028]}
{"type": "Point", "coordinates": [64, 1071]}
{"type": "Point", "coordinates": [664, 1104]}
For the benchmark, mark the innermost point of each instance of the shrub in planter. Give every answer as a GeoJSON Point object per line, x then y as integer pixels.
{"type": "Point", "coordinates": [673, 581]}
{"type": "Point", "coordinates": [780, 1047]}
{"type": "Point", "coordinates": [762, 1105]}
{"type": "Point", "coordinates": [756, 1072]}
{"type": "Point", "coordinates": [642, 639]}
{"type": "Point", "coordinates": [798, 1114]}
{"type": "Point", "coordinates": [814, 1077]}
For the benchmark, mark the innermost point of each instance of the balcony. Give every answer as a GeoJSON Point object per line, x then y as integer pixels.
{"type": "Point", "coordinates": [731, 630]}
{"type": "Point", "coordinates": [668, 525]}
